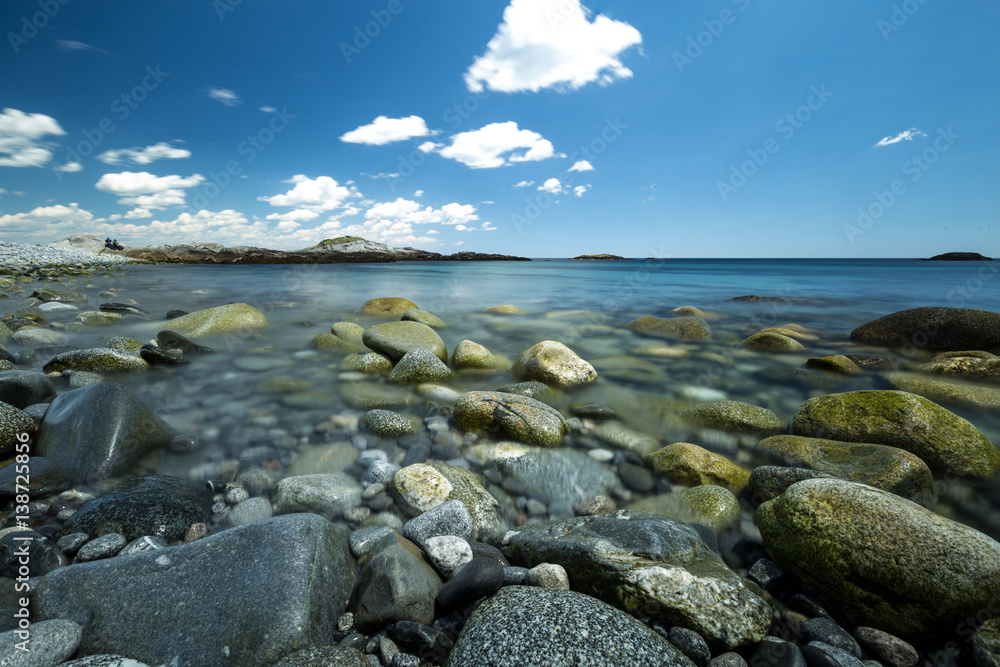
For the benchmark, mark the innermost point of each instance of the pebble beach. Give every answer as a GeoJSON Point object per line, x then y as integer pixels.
{"type": "Point", "coordinates": [376, 466]}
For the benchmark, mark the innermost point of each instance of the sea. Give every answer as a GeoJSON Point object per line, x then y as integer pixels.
{"type": "Point", "coordinates": [261, 395]}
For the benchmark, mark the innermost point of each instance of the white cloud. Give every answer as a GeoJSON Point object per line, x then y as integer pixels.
{"type": "Point", "coordinates": [496, 145]}
{"type": "Point", "coordinates": [145, 190]}
{"type": "Point", "coordinates": [418, 193]}
{"type": "Point", "coordinates": [137, 213]}
{"type": "Point", "coordinates": [582, 165]}
{"type": "Point", "coordinates": [384, 231]}
{"type": "Point", "coordinates": [524, 184]}
{"type": "Point", "coordinates": [268, 109]}
{"type": "Point", "coordinates": [136, 155]}
{"type": "Point", "coordinates": [429, 146]}
{"type": "Point", "coordinates": [551, 44]}
{"type": "Point", "coordinates": [384, 130]}
{"type": "Point", "coordinates": [224, 95]}
{"type": "Point", "coordinates": [19, 138]}
{"type": "Point", "coordinates": [552, 186]}
{"type": "Point", "coordinates": [298, 215]}
{"type": "Point", "coordinates": [70, 167]}
{"type": "Point", "coordinates": [906, 135]}
{"type": "Point", "coordinates": [320, 194]}
{"type": "Point", "coordinates": [43, 221]}
{"type": "Point", "coordinates": [580, 189]}
{"type": "Point", "coordinates": [72, 45]}
{"type": "Point", "coordinates": [411, 212]}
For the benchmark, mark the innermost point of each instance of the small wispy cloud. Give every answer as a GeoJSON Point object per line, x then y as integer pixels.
{"type": "Point", "coordinates": [268, 109]}
{"type": "Point", "coordinates": [907, 135]}
{"type": "Point", "coordinates": [224, 95]}
{"type": "Point", "coordinates": [582, 165]}
{"type": "Point", "coordinates": [72, 45]}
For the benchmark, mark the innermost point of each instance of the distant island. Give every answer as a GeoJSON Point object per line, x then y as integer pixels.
{"type": "Point", "coordinates": [341, 250]}
{"type": "Point", "coordinates": [958, 257]}
{"type": "Point", "coordinates": [598, 256]}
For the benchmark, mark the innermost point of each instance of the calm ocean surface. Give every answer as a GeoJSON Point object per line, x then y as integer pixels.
{"type": "Point", "coordinates": [238, 400]}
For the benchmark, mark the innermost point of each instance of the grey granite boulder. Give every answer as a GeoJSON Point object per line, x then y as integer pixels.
{"type": "Point", "coordinates": [933, 329]}
{"type": "Point", "coordinates": [96, 360]}
{"type": "Point", "coordinates": [245, 597]}
{"type": "Point", "coordinates": [945, 441]}
{"type": "Point", "coordinates": [395, 339]}
{"type": "Point", "coordinates": [50, 643]}
{"type": "Point", "coordinates": [554, 364]}
{"type": "Point", "coordinates": [419, 365]}
{"type": "Point", "coordinates": [880, 560]}
{"type": "Point", "coordinates": [97, 431]}
{"type": "Point", "coordinates": [15, 426]}
{"type": "Point", "coordinates": [330, 495]}
{"type": "Point", "coordinates": [522, 418]}
{"type": "Point", "coordinates": [24, 388]}
{"type": "Point", "coordinates": [161, 506]}
{"type": "Point", "coordinates": [650, 566]}
{"type": "Point", "coordinates": [524, 626]}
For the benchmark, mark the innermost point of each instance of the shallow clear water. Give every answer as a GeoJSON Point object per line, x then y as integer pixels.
{"type": "Point", "coordinates": [229, 400]}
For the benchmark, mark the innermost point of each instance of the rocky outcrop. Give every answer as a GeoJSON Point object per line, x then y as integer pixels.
{"type": "Point", "coordinates": [958, 257]}
{"type": "Point", "coordinates": [602, 255]}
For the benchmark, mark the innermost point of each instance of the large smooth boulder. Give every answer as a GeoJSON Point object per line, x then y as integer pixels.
{"type": "Point", "coordinates": [650, 566]}
{"type": "Point", "coordinates": [880, 560]}
{"type": "Point", "coordinates": [397, 584]}
{"type": "Point", "coordinates": [933, 328]}
{"type": "Point", "coordinates": [97, 431]}
{"type": "Point", "coordinates": [945, 441]}
{"type": "Point", "coordinates": [386, 306]}
{"type": "Point", "coordinates": [96, 360]}
{"type": "Point", "coordinates": [554, 364]}
{"type": "Point", "coordinates": [395, 339]}
{"type": "Point", "coordinates": [890, 468]}
{"type": "Point", "coordinates": [24, 388]}
{"type": "Point", "coordinates": [520, 417]}
{"type": "Point", "coordinates": [525, 626]}
{"type": "Point", "coordinates": [692, 328]}
{"type": "Point", "coordinates": [244, 597]}
{"type": "Point", "coordinates": [950, 392]}
{"type": "Point", "coordinates": [232, 318]}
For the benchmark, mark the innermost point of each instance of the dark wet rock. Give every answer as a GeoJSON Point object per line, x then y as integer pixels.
{"type": "Point", "coordinates": [330, 495]}
{"type": "Point", "coordinates": [728, 659]}
{"type": "Point", "coordinates": [776, 652]}
{"type": "Point", "coordinates": [104, 661]}
{"type": "Point", "coordinates": [692, 328]}
{"type": "Point", "coordinates": [24, 388]}
{"type": "Point", "coordinates": [869, 361]}
{"type": "Point", "coordinates": [325, 656]}
{"type": "Point", "coordinates": [478, 578]}
{"type": "Point", "coordinates": [15, 426]}
{"type": "Point", "coordinates": [933, 329]}
{"type": "Point", "coordinates": [70, 544]}
{"type": "Point", "coordinates": [395, 339]}
{"type": "Point", "coordinates": [966, 368]}
{"type": "Point", "coordinates": [45, 478]}
{"type": "Point", "coordinates": [37, 411]}
{"type": "Point", "coordinates": [985, 644]}
{"type": "Point", "coordinates": [97, 431]}
{"type": "Point", "coordinates": [524, 419]}
{"type": "Point", "coordinates": [96, 360]}
{"type": "Point", "coordinates": [43, 554]}
{"type": "Point", "coordinates": [768, 482]}
{"type": "Point", "coordinates": [766, 574]}
{"type": "Point", "coordinates": [422, 639]}
{"type": "Point", "coordinates": [671, 575]}
{"type": "Point", "coordinates": [889, 649]}
{"type": "Point", "coordinates": [890, 468]}
{"type": "Point", "coordinates": [534, 627]}
{"type": "Point", "coordinates": [105, 546]}
{"type": "Point", "coordinates": [244, 597]}
{"type": "Point", "coordinates": [827, 631]}
{"type": "Point", "coordinates": [174, 314]}
{"type": "Point", "coordinates": [636, 477]}
{"type": "Point", "coordinates": [690, 644]}
{"type": "Point", "coordinates": [450, 518]}
{"type": "Point", "coordinates": [593, 411]}
{"type": "Point", "coordinates": [50, 643]}
{"type": "Point", "coordinates": [160, 506]}
{"type": "Point", "coordinates": [123, 308]}
{"type": "Point", "coordinates": [47, 294]}
{"type": "Point", "coordinates": [821, 654]}
{"type": "Point", "coordinates": [945, 441]}
{"type": "Point", "coordinates": [396, 584]}
{"type": "Point", "coordinates": [878, 559]}
{"type": "Point", "coordinates": [154, 355]}
{"type": "Point", "coordinates": [171, 340]}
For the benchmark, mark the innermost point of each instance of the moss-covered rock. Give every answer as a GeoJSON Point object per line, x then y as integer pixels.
{"type": "Point", "coordinates": [336, 344]}
{"type": "Point", "coordinates": [388, 306]}
{"type": "Point", "coordinates": [628, 439]}
{"type": "Point", "coordinates": [692, 328]}
{"type": "Point", "coordinates": [469, 355]}
{"type": "Point", "coordinates": [370, 362]}
{"type": "Point", "coordinates": [389, 424]}
{"type": "Point", "coordinates": [422, 316]}
{"type": "Point", "coordinates": [889, 468]}
{"type": "Point", "coordinates": [394, 339]}
{"type": "Point", "coordinates": [47, 294]}
{"type": "Point", "coordinates": [933, 329]}
{"type": "Point", "coordinates": [837, 363]}
{"type": "Point", "coordinates": [769, 482]}
{"type": "Point", "coordinates": [941, 391]}
{"type": "Point", "coordinates": [423, 486]}
{"type": "Point", "coordinates": [232, 318]}
{"type": "Point", "coordinates": [521, 418]}
{"type": "Point", "coordinates": [945, 441]}
{"type": "Point", "coordinates": [969, 368]}
{"type": "Point", "coordinates": [692, 465]}
{"type": "Point", "coordinates": [709, 505]}
{"type": "Point", "coordinates": [352, 332]}
{"type": "Point", "coordinates": [504, 310]}
{"type": "Point", "coordinates": [368, 395]}
{"type": "Point", "coordinates": [773, 342]}
{"type": "Point", "coordinates": [554, 364]}
{"type": "Point", "coordinates": [880, 560]}
{"type": "Point", "coordinates": [123, 344]}
{"type": "Point", "coordinates": [733, 416]}
{"type": "Point", "coordinates": [99, 318]}
{"type": "Point", "coordinates": [97, 360]}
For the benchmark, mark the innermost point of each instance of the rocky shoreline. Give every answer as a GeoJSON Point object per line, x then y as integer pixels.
{"type": "Point", "coordinates": [476, 510]}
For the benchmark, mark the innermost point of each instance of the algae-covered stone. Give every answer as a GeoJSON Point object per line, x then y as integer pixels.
{"type": "Point", "coordinates": [688, 311]}
{"type": "Point", "coordinates": [768, 482]}
{"type": "Point", "coordinates": [692, 328]}
{"type": "Point", "coordinates": [619, 435]}
{"type": "Point", "coordinates": [232, 318]}
{"type": "Point", "coordinates": [504, 310]}
{"type": "Point", "coordinates": [124, 344]}
{"type": "Point", "coordinates": [349, 331]}
{"type": "Point", "coordinates": [773, 342]}
{"type": "Point", "coordinates": [524, 626]}
{"type": "Point", "coordinates": [733, 416]}
{"type": "Point", "coordinates": [387, 306]}
{"type": "Point", "coordinates": [422, 316]}
{"type": "Point", "coordinates": [368, 395]}
{"type": "Point", "coordinates": [940, 391]}
{"type": "Point", "coordinates": [522, 418]}
{"type": "Point", "coordinates": [395, 339]}
{"type": "Point", "coordinates": [336, 344]}
{"type": "Point", "coordinates": [46, 294]}
{"type": "Point", "coordinates": [96, 360]}
{"type": "Point", "coordinates": [39, 337]}
{"type": "Point", "coordinates": [531, 389]}
{"type": "Point", "coordinates": [389, 424]}
{"type": "Point", "coordinates": [692, 465]}
{"type": "Point", "coordinates": [889, 468]}
{"type": "Point", "coordinates": [970, 368]}
{"type": "Point", "coordinates": [419, 365]}
{"type": "Point", "coordinates": [945, 441]}
{"type": "Point", "coordinates": [98, 318]}
{"type": "Point", "coordinates": [878, 559]}
{"type": "Point", "coordinates": [837, 363]}
{"type": "Point", "coordinates": [708, 504]}
{"type": "Point", "coordinates": [423, 486]}
{"type": "Point", "coordinates": [650, 566]}
{"type": "Point", "coordinates": [554, 364]}
{"type": "Point", "coordinates": [933, 329]}
{"type": "Point", "coordinates": [370, 362]}
{"type": "Point", "coordinates": [471, 355]}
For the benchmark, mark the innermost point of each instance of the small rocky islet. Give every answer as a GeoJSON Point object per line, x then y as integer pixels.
{"type": "Point", "coordinates": [394, 487]}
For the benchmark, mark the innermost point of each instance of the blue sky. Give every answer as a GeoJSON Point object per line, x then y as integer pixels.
{"type": "Point", "coordinates": [545, 128]}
